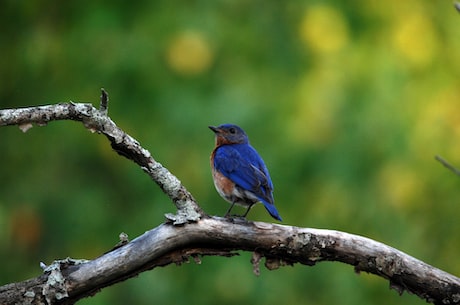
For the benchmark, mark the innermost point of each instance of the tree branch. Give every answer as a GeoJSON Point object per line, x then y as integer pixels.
{"type": "Point", "coordinates": [280, 245]}
{"type": "Point", "coordinates": [97, 121]}
{"type": "Point", "coordinates": [191, 233]}
{"type": "Point", "coordinates": [447, 165]}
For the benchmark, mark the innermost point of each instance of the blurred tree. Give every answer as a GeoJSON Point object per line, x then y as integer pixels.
{"type": "Point", "coordinates": [348, 102]}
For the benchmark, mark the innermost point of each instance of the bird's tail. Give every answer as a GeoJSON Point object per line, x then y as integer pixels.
{"type": "Point", "coordinates": [272, 210]}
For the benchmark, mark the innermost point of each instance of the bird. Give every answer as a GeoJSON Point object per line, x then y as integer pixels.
{"type": "Point", "coordinates": [239, 173]}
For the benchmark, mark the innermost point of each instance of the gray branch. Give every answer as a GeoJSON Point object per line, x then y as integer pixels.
{"type": "Point", "coordinates": [447, 165]}
{"type": "Point", "coordinates": [67, 281]}
{"type": "Point", "coordinates": [97, 120]}
{"type": "Point", "coordinates": [192, 234]}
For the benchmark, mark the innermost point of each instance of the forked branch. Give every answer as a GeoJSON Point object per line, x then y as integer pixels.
{"type": "Point", "coordinates": [191, 233]}
{"type": "Point", "coordinates": [97, 120]}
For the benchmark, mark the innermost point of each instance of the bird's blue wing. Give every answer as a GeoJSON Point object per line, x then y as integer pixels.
{"type": "Point", "coordinates": [241, 164]}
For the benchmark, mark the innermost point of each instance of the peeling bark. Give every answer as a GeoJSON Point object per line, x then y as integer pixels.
{"type": "Point", "coordinates": [192, 234]}
{"type": "Point", "coordinates": [66, 281]}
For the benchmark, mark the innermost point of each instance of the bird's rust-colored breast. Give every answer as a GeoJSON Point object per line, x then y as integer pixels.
{"type": "Point", "coordinates": [224, 186]}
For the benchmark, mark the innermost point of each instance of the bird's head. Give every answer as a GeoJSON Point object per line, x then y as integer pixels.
{"type": "Point", "coordinates": [229, 134]}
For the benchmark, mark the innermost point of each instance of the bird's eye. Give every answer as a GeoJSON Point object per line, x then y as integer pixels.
{"type": "Point", "coordinates": [232, 130]}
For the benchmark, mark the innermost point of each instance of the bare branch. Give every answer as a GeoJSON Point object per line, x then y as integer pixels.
{"type": "Point", "coordinates": [97, 121]}
{"type": "Point", "coordinates": [66, 281]}
{"type": "Point", "coordinates": [280, 245]}
{"type": "Point", "coordinates": [104, 102]}
{"type": "Point", "coordinates": [447, 165]}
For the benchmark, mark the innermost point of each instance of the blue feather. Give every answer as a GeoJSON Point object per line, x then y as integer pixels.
{"type": "Point", "coordinates": [241, 164]}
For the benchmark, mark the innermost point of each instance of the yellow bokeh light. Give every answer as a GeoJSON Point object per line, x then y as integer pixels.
{"type": "Point", "coordinates": [189, 53]}
{"type": "Point", "coordinates": [324, 29]}
{"type": "Point", "coordinates": [414, 38]}
{"type": "Point", "coordinates": [319, 99]}
{"type": "Point", "coordinates": [437, 124]}
{"type": "Point", "coordinates": [400, 185]}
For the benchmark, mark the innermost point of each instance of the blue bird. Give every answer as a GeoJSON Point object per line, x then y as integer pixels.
{"type": "Point", "coordinates": [239, 173]}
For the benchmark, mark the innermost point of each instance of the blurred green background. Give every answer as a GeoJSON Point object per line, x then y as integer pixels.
{"type": "Point", "coordinates": [347, 102]}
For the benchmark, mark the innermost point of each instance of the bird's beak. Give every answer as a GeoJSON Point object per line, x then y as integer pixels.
{"type": "Point", "coordinates": [215, 129]}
